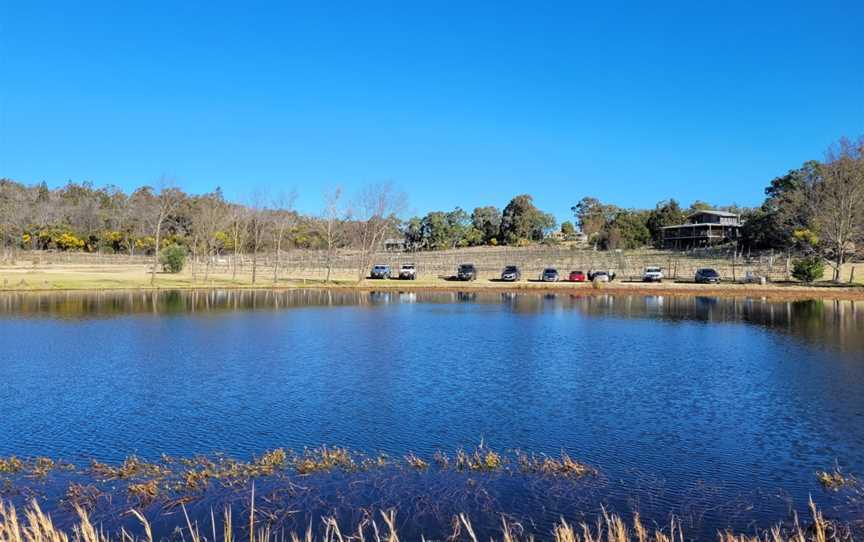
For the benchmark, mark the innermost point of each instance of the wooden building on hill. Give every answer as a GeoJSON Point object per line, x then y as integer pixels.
{"type": "Point", "coordinates": [703, 228]}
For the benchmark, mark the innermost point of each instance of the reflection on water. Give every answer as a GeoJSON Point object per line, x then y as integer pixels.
{"type": "Point", "coordinates": [835, 323]}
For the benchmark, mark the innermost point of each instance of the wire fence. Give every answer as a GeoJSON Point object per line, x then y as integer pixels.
{"type": "Point", "coordinates": [489, 261]}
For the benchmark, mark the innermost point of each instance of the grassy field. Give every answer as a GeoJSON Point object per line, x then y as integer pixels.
{"type": "Point", "coordinates": [31, 271]}
{"type": "Point", "coordinates": [120, 276]}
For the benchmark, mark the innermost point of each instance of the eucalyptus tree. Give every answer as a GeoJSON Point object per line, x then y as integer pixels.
{"type": "Point", "coordinates": [522, 221]}
{"type": "Point", "coordinates": [837, 202]}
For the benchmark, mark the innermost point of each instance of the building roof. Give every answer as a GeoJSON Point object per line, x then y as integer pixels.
{"type": "Point", "coordinates": [712, 212]}
{"type": "Point", "coordinates": [716, 224]}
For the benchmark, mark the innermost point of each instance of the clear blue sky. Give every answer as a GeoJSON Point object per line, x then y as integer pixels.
{"type": "Point", "coordinates": [458, 103]}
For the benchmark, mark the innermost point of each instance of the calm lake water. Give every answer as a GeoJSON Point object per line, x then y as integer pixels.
{"type": "Point", "coordinates": [718, 410]}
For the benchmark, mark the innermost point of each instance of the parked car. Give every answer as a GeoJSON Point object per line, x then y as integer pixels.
{"type": "Point", "coordinates": [466, 271]}
{"type": "Point", "coordinates": [380, 271]}
{"type": "Point", "coordinates": [652, 274]}
{"type": "Point", "coordinates": [550, 274]}
{"type": "Point", "coordinates": [577, 276]}
{"type": "Point", "coordinates": [408, 272]}
{"type": "Point", "coordinates": [511, 273]}
{"type": "Point", "coordinates": [706, 275]}
{"type": "Point", "coordinates": [601, 276]}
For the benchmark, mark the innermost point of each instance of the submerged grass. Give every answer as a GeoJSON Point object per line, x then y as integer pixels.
{"type": "Point", "coordinates": [326, 459]}
{"type": "Point", "coordinates": [176, 481]}
{"type": "Point", "coordinates": [146, 481]}
{"type": "Point", "coordinates": [835, 479]}
{"type": "Point", "coordinates": [11, 465]}
{"type": "Point", "coordinates": [132, 467]}
{"type": "Point", "coordinates": [481, 459]}
{"type": "Point", "coordinates": [84, 496]}
{"type": "Point", "coordinates": [37, 466]}
{"type": "Point", "coordinates": [37, 526]}
{"type": "Point", "coordinates": [564, 466]}
{"type": "Point", "coordinates": [170, 482]}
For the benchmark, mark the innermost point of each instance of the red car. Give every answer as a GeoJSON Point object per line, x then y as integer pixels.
{"type": "Point", "coordinates": [577, 276]}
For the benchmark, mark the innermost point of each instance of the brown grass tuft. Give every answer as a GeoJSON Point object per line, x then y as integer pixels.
{"type": "Point", "coordinates": [834, 480]}
{"type": "Point", "coordinates": [415, 462]}
{"type": "Point", "coordinates": [11, 465]}
{"type": "Point", "coordinates": [564, 466]}
{"type": "Point", "coordinates": [325, 459]}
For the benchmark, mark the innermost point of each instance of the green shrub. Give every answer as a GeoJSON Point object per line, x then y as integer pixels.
{"type": "Point", "coordinates": [172, 258]}
{"type": "Point", "coordinates": [808, 269]}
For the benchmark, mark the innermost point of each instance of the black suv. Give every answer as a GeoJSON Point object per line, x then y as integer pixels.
{"type": "Point", "coordinates": [511, 273]}
{"type": "Point", "coordinates": [466, 271]}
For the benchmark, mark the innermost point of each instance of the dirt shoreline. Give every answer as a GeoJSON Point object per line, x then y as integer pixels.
{"type": "Point", "coordinates": [780, 292]}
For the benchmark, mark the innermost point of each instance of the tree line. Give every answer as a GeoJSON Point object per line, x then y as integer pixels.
{"type": "Point", "coordinates": [816, 209]}
{"type": "Point", "coordinates": [520, 223]}
{"type": "Point", "coordinates": [82, 217]}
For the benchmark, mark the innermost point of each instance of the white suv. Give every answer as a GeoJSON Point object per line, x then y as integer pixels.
{"type": "Point", "coordinates": [408, 271]}
{"type": "Point", "coordinates": [652, 274]}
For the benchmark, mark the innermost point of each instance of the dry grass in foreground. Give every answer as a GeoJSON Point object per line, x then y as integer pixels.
{"type": "Point", "coordinates": [37, 526]}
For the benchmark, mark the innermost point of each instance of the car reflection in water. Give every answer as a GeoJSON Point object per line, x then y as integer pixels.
{"type": "Point", "coordinates": [379, 298]}
{"type": "Point", "coordinates": [467, 297]}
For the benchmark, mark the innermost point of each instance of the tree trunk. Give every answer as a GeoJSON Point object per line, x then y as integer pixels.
{"type": "Point", "coordinates": [276, 263]}
{"type": "Point", "coordinates": [234, 257]}
{"type": "Point", "coordinates": [839, 266]}
{"type": "Point", "coordinates": [156, 253]}
{"type": "Point", "coordinates": [194, 259]}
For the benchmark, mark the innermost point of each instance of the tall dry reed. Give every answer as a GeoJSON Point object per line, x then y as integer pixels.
{"type": "Point", "coordinates": [37, 526]}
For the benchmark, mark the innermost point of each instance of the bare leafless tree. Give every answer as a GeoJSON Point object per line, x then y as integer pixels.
{"type": "Point", "coordinates": [13, 215]}
{"type": "Point", "coordinates": [378, 206]}
{"type": "Point", "coordinates": [121, 218]}
{"type": "Point", "coordinates": [837, 202]}
{"type": "Point", "coordinates": [283, 218]}
{"type": "Point", "coordinates": [238, 222]}
{"type": "Point", "coordinates": [259, 221]}
{"type": "Point", "coordinates": [167, 201]}
{"type": "Point", "coordinates": [43, 212]}
{"type": "Point", "coordinates": [211, 216]}
{"type": "Point", "coordinates": [330, 225]}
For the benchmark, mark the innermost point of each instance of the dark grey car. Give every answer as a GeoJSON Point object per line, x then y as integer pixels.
{"type": "Point", "coordinates": [706, 275]}
{"type": "Point", "coordinates": [380, 272]}
{"type": "Point", "coordinates": [466, 271]}
{"type": "Point", "coordinates": [511, 273]}
{"type": "Point", "coordinates": [550, 274]}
